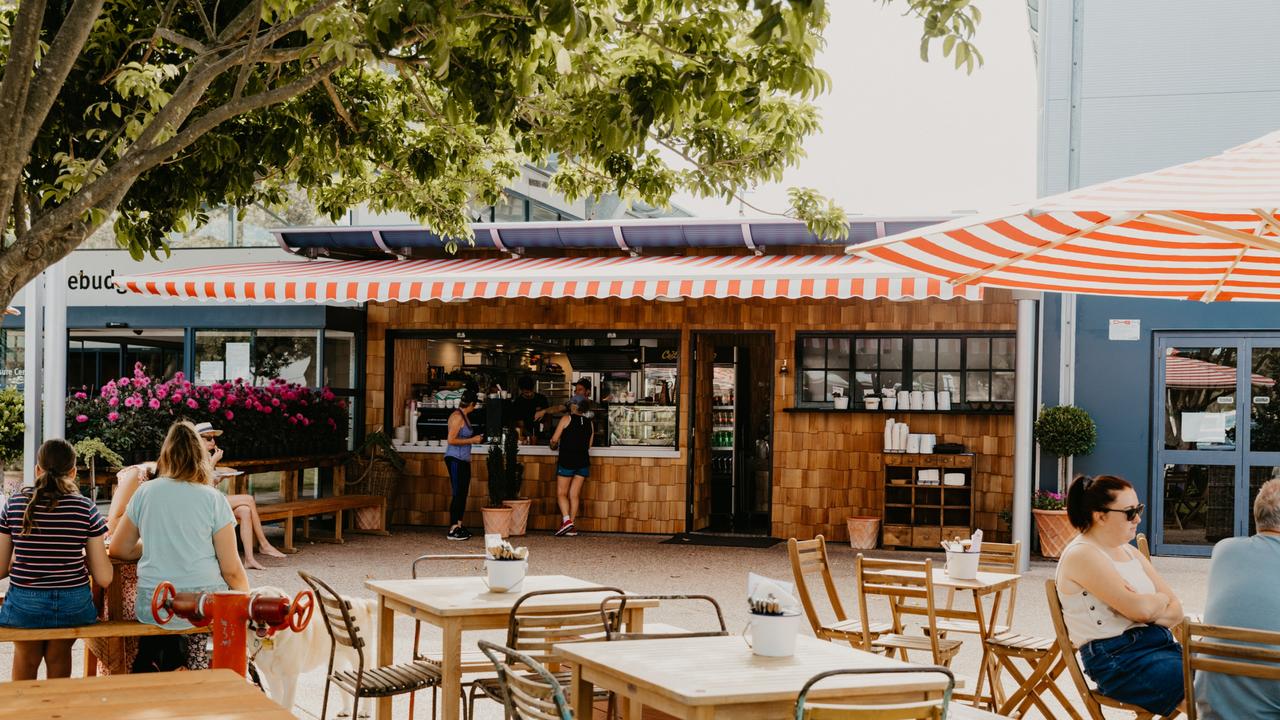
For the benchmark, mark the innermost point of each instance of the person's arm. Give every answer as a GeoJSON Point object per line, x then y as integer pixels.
{"type": "Point", "coordinates": [6, 555]}
{"type": "Point", "coordinates": [455, 427]}
{"type": "Point", "coordinates": [591, 436]}
{"type": "Point", "coordinates": [127, 482]}
{"type": "Point", "coordinates": [126, 544]}
{"type": "Point", "coordinates": [1090, 568]}
{"type": "Point", "coordinates": [95, 557]}
{"type": "Point", "coordinates": [1173, 612]}
{"type": "Point", "coordinates": [224, 547]}
{"type": "Point", "coordinates": [539, 408]}
{"type": "Point", "coordinates": [555, 438]}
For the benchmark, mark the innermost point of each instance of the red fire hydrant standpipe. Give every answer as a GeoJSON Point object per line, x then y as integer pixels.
{"type": "Point", "coordinates": [229, 614]}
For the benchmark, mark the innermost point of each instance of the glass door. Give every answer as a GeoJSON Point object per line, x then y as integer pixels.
{"type": "Point", "coordinates": [1217, 440]}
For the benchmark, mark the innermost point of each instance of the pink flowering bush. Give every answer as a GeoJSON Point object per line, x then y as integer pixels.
{"type": "Point", "coordinates": [132, 415]}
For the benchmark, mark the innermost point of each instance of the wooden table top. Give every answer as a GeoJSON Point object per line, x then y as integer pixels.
{"type": "Point", "coordinates": [984, 582]}
{"type": "Point", "coordinates": [199, 695]}
{"type": "Point", "coordinates": [723, 670]}
{"type": "Point", "coordinates": [468, 595]}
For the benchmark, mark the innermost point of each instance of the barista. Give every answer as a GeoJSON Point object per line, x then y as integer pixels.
{"type": "Point", "coordinates": [529, 408]}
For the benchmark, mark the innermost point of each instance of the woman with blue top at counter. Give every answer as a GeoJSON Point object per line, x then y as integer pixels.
{"type": "Point", "coordinates": [457, 458]}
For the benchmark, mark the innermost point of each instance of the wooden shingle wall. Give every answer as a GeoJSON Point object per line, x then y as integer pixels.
{"type": "Point", "coordinates": [826, 466]}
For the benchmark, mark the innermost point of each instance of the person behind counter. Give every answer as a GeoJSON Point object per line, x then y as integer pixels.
{"type": "Point", "coordinates": [528, 408]}
{"type": "Point", "coordinates": [572, 438]}
{"type": "Point", "coordinates": [457, 458]}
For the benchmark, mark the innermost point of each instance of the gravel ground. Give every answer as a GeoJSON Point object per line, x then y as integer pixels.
{"type": "Point", "coordinates": [638, 563]}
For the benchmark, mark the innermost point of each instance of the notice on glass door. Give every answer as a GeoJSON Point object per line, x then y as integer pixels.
{"type": "Point", "coordinates": [238, 361]}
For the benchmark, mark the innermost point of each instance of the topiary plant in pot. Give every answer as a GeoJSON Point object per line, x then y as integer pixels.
{"type": "Point", "coordinates": [497, 517]}
{"type": "Point", "coordinates": [1064, 431]}
{"type": "Point", "coordinates": [514, 480]}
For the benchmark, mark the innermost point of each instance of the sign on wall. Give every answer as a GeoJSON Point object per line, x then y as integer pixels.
{"type": "Point", "coordinates": [1124, 330]}
{"type": "Point", "coordinates": [89, 272]}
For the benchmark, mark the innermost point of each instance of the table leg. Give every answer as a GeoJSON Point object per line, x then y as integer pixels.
{"type": "Point", "coordinates": [985, 628]}
{"type": "Point", "coordinates": [386, 651]}
{"type": "Point", "coordinates": [633, 618]}
{"type": "Point", "coordinates": [451, 669]}
{"type": "Point", "coordinates": [583, 694]}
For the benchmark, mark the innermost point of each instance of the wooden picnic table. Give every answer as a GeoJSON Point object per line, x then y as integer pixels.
{"type": "Point", "coordinates": [719, 677]}
{"type": "Point", "coordinates": [197, 695]}
{"type": "Point", "coordinates": [458, 604]}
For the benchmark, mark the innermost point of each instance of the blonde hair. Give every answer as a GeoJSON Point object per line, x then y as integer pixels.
{"type": "Point", "coordinates": [57, 461]}
{"type": "Point", "coordinates": [183, 457]}
{"type": "Point", "coordinates": [1266, 507]}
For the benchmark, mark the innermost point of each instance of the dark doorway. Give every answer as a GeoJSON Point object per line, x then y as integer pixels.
{"type": "Point", "coordinates": [731, 435]}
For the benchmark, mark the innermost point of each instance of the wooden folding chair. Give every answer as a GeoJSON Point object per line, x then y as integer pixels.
{"type": "Point", "coordinates": [1143, 546]}
{"type": "Point", "coordinates": [809, 559]}
{"type": "Point", "coordinates": [908, 586]}
{"type": "Point", "coordinates": [1228, 651]}
{"type": "Point", "coordinates": [931, 709]}
{"type": "Point", "coordinates": [1093, 700]}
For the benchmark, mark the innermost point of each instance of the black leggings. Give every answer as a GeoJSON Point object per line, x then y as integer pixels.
{"type": "Point", "coordinates": [460, 481]}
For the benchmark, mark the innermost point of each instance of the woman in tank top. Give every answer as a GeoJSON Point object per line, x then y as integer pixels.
{"type": "Point", "coordinates": [457, 458]}
{"type": "Point", "coordinates": [1117, 609]}
{"type": "Point", "coordinates": [573, 438]}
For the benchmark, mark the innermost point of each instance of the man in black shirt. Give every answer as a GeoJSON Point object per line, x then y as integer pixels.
{"type": "Point", "coordinates": [528, 407]}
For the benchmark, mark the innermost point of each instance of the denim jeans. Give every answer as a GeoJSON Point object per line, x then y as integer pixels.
{"type": "Point", "coordinates": [26, 607]}
{"type": "Point", "coordinates": [1142, 666]}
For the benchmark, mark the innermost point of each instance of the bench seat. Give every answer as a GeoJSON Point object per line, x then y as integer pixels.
{"type": "Point", "coordinates": [104, 629]}
{"type": "Point", "coordinates": [306, 509]}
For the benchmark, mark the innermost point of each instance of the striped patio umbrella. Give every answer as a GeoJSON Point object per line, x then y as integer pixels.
{"type": "Point", "coordinates": [1181, 371]}
{"type": "Point", "coordinates": [1205, 230]}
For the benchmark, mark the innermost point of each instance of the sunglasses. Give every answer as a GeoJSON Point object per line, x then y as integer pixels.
{"type": "Point", "coordinates": [1129, 513]}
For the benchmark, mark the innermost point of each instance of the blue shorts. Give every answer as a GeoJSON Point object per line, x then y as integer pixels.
{"type": "Point", "coordinates": [26, 607]}
{"type": "Point", "coordinates": [563, 471]}
{"type": "Point", "coordinates": [1142, 666]}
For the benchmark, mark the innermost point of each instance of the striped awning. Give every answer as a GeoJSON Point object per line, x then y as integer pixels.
{"type": "Point", "coordinates": [1185, 372]}
{"type": "Point", "coordinates": [1205, 230]}
{"type": "Point", "coordinates": [765, 276]}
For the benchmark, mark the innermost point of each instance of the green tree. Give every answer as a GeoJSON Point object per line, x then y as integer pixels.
{"type": "Point", "coordinates": [153, 112]}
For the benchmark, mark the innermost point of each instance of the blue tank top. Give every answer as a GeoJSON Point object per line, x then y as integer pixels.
{"type": "Point", "coordinates": [461, 452]}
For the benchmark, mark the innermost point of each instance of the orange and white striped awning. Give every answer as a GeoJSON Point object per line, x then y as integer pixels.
{"type": "Point", "coordinates": [766, 276]}
{"type": "Point", "coordinates": [1205, 230]}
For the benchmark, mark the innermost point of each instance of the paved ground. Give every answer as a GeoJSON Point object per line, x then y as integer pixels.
{"type": "Point", "coordinates": [637, 563]}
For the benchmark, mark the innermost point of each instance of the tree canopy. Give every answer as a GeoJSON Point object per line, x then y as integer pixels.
{"type": "Point", "coordinates": [152, 113]}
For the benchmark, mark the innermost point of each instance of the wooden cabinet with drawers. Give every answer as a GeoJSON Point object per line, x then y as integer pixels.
{"type": "Point", "coordinates": [920, 515]}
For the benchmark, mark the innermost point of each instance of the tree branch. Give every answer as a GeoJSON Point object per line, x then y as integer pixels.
{"type": "Point", "coordinates": [182, 41]}
{"type": "Point", "coordinates": [337, 105]}
{"type": "Point", "coordinates": [24, 41]}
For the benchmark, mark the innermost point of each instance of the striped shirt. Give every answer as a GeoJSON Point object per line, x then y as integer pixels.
{"type": "Point", "coordinates": [52, 555]}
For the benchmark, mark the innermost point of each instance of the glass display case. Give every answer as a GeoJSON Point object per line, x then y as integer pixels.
{"type": "Point", "coordinates": [650, 425]}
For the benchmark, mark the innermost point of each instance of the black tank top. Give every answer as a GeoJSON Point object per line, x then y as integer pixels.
{"type": "Point", "coordinates": [574, 443]}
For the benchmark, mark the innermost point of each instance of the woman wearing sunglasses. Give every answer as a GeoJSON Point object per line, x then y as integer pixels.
{"type": "Point", "coordinates": [1118, 610]}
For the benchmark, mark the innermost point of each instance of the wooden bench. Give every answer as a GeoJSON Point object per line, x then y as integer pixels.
{"type": "Point", "coordinates": [103, 629]}
{"type": "Point", "coordinates": [306, 509]}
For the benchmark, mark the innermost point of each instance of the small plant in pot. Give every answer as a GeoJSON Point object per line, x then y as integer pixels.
{"type": "Point", "coordinates": [840, 400]}
{"type": "Point", "coordinates": [1064, 431]}
{"type": "Point", "coordinates": [505, 565]}
{"type": "Point", "coordinates": [89, 451]}
{"type": "Point", "coordinates": [497, 517]}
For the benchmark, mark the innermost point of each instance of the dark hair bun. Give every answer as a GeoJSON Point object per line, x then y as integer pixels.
{"type": "Point", "coordinates": [468, 397]}
{"type": "Point", "coordinates": [1088, 495]}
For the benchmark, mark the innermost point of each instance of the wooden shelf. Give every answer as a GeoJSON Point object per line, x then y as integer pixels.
{"type": "Point", "coordinates": [924, 521]}
{"type": "Point", "coordinates": [898, 411]}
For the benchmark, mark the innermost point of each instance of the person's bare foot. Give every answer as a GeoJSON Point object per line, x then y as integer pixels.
{"type": "Point", "coordinates": [254, 565]}
{"type": "Point", "coordinates": [271, 551]}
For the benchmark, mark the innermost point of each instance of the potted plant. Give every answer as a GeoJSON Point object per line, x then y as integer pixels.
{"type": "Point", "coordinates": [841, 401]}
{"type": "Point", "coordinates": [89, 450]}
{"type": "Point", "coordinates": [514, 473]}
{"type": "Point", "coordinates": [1064, 431]}
{"type": "Point", "coordinates": [497, 517]}
{"type": "Point", "coordinates": [11, 435]}
{"type": "Point", "coordinates": [375, 469]}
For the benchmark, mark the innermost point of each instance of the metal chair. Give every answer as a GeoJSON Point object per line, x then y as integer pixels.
{"type": "Point", "coordinates": [1093, 700]}
{"type": "Point", "coordinates": [932, 709]}
{"type": "Point", "coordinates": [373, 682]}
{"type": "Point", "coordinates": [1228, 651]}
{"type": "Point", "coordinates": [809, 559]}
{"type": "Point", "coordinates": [908, 586]}
{"type": "Point", "coordinates": [471, 661]}
{"type": "Point", "coordinates": [535, 633]}
{"type": "Point", "coordinates": [527, 689]}
{"type": "Point", "coordinates": [612, 618]}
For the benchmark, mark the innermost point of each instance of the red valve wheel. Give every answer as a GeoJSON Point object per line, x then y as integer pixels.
{"type": "Point", "coordinates": [162, 602]}
{"type": "Point", "coordinates": [300, 614]}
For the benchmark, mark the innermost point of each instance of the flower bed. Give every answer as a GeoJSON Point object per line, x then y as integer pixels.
{"type": "Point", "coordinates": [131, 415]}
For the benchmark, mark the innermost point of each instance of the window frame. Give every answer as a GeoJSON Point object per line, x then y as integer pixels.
{"type": "Point", "coordinates": [959, 401]}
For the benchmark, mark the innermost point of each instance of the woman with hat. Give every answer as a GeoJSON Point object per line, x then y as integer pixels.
{"type": "Point", "coordinates": [457, 458]}
{"type": "Point", "coordinates": [244, 507]}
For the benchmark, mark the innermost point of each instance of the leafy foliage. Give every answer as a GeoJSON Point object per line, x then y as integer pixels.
{"type": "Point", "coordinates": [12, 428]}
{"type": "Point", "coordinates": [1048, 500]}
{"type": "Point", "coordinates": [1065, 430]}
{"type": "Point", "coordinates": [377, 444]}
{"type": "Point", "coordinates": [89, 449]}
{"type": "Point", "coordinates": [152, 113]}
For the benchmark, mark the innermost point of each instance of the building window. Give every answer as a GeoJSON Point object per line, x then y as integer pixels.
{"type": "Point", "coordinates": [537, 213]}
{"type": "Point", "coordinates": [12, 349]}
{"type": "Point", "coordinates": [509, 209]}
{"type": "Point", "coordinates": [977, 370]}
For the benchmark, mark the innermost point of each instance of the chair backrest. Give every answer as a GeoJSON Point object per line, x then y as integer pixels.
{"type": "Point", "coordinates": [908, 586]}
{"type": "Point", "coordinates": [535, 632]}
{"type": "Point", "coordinates": [529, 690]}
{"type": "Point", "coordinates": [1068, 650]}
{"type": "Point", "coordinates": [612, 612]}
{"type": "Point", "coordinates": [338, 618]}
{"type": "Point", "coordinates": [934, 709]}
{"type": "Point", "coordinates": [426, 559]}
{"type": "Point", "coordinates": [1226, 650]}
{"type": "Point", "coordinates": [1143, 546]}
{"type": "Point", "coordinates": [809, 560]}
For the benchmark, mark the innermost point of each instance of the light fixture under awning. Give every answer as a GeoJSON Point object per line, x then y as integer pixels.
{"type": "Point", "coordinates": [749, 276]}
